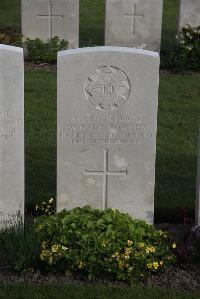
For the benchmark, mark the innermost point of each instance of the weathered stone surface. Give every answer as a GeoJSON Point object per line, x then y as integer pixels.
{"type": "Point", "coordinates": [46, 19]}
{"type": "Point", "coordinates": [107, 119]}
{"type": "Point", "coordinates": [197, 207]}
{"type": "Point", "coordinates": [134, 23]}
{"type": "Point", "coordinates": [189, 13]}
{"type": "Point", "coordinates": [11, 135]}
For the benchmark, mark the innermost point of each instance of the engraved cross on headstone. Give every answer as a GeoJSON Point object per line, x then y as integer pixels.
{"type": "Point", "coordinates": [105, 173]}
{"type": "Point", "coordinates": [133, 15]}
{"type": "Point", "coordinates": [50, 18]}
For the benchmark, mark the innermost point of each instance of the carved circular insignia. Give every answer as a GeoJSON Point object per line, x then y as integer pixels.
{"type": "Point", "coordinates": [107, 88]}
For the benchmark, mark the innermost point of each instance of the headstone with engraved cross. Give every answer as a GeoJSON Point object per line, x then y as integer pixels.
{"type": "Point", "coordinates": [11, 136]}
{"type": "Point", "coordinates": [189, 13]}
{"type": "Point", "coordinates": [134, 23]}
{"type": "Point", "coordinates": [48, 18]}
{"type": "Point", "coordinates": [107, 112]}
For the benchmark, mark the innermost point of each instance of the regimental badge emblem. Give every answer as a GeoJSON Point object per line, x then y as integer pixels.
{"type": "Point", "coordinates": [107, 88]}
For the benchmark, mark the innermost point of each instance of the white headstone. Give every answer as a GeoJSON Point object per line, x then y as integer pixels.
{"type": "Point", "coordinates": [45, 19]}
{"type": "Point", "coordinates": [197, 207]}
{"type": "Point", "coordinates": [11, 135]}
{"type": "Point", "coordinates": [189, 13]}
{"type": "Point", "coordinates": [134, 23]}
{"type": "Point", "coordinates": [107, 119]}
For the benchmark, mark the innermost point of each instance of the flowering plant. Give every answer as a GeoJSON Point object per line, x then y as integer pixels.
{"type": "Point", "coordinates": [45, 208]}
{"type": "Point", "coordinates": [99, 244]}
{"type": "Point", "coordinates": [189, 47]}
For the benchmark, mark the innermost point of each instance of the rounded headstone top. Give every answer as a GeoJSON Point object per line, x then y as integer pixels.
{"type": "Point", "coordinates": [11, 48]}
{"type": "Point", "coordinates": [108, 49]}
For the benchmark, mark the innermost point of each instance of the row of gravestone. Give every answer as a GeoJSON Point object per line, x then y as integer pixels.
{"type": "Point", "coordinates": [106, 130]}
{"type": "Point", "coordinates": [130, 23]}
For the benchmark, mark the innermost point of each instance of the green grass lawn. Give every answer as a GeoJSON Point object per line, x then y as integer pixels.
{"type": "Point", "coordinates": [16, 291]}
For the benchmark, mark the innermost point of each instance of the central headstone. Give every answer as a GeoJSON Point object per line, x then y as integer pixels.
{"type": "Point", "coordinates": [11, 136]}
{"type": "Point", "coordinates": [107, 119]}
{"type": "Point", "coordinates": [45, 19]}
{"type": "Point", "coordinates": [134, 23]}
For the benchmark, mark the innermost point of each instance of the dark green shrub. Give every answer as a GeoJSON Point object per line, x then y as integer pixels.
{"type": "Point", "coordinates": [99, 244]}
{"type": "Point", "coordinates": [46, 52]}
{"type": "Point", "coordinates": [186, 55]}
{"type": "Point", "coordinates": [189, 48]}
{"type": "Point", "coordinates": [9, 36]}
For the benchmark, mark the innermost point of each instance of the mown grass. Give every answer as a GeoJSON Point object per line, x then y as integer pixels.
{"type": "Point", "coordinates": [74, 291]}
{"type": "Point", "coordinates": [10, 14]}
{"type": "Point", "coordinates": [178, 121]}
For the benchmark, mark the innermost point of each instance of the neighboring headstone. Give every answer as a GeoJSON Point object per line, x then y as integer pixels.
{"type": "Point", "coordinates": [189, 13]}
{"type": "Point", "coordinates": [134, 23]}
{"type": "Point", "coordinates": [11, 135]}
{"type": "Point", "coordinates": [45, 19]}
{"type": "Point", "coordinates": [197, 208]}
{"type": "Point", "coordinates": [107, 118]}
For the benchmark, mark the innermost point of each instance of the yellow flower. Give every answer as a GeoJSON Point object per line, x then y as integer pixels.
{"type": "Point", "coordinates": [156, 265]}
{"type": "Point", "coordinates": [161, 263]}
{"type": "Point", "coordinates": [55, 248]}
{"type": "Point", "coordinates": [44, 253]}
{"type": "Point", "coordinates": [127, 251]}
{"type": "Point", "coordinates": [43, 245]}
{"type": "Point", "coordinates": [116, 254]}
{"type": "Point", "coordinates": [150, 249]}
{"type": "Point", "coordinates": [174, 245]}
{"type": "Point", "coordinates": [103, 244]}
{"type": "Point", "coordinates": [129, 242]}
{"type": "Point", "coordinates": [81, 265]}
{"type": "Point", "coordinates": [149, 265]}
{"type": "Point", "coordinates": [141, 245]}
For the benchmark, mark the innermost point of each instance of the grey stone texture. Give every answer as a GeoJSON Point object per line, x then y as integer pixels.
{"type": "Point", "coordinates": [46, 19]}
{"type": "Point", "coordinates": [134, 23]}
{"type": "Point", "coordinates": [189, 13]}
{"type": "Point", "coordinates": [106, 129]}
{"type": "Point", "coordinates": [11, 135]}
{"type": "Point", "coordinates": [197, 207]}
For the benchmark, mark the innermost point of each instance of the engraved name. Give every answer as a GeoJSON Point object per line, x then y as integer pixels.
{"type": "Point", "coordinates": [118, 129]}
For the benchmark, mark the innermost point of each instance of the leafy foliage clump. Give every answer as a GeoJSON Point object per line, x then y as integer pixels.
{"type": "Point", "coordinates": [186, 55]}
{"type": "Point", "coordinates": [99, 244]}
{"type": "Point", "coordinates": [45, 52]}
{"type": "Point", "coordinates": [9, 36]}
{"type": "Point", "coordinates": [189, 48]}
